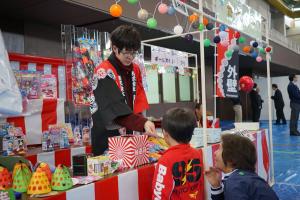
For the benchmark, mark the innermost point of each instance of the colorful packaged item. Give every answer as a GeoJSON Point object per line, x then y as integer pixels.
{"type": "Point", "coordinates": [47, 144]}
{"type": "Point", "coordinates": [39, 183]}
{"type": "Point", "coordinates": [61, 179]}
{"type": "Point", "coordinates": [64, 140]}
{"type": "Point", "coordinates": [99, 166]}
{"type": "Point", "coordinates": [7, 194]}
{"type": "Point", "coordinates": [21, 177]}
{"type": "Point", "coordinates": [54, 131]}
{"type": "Point", "coordinates": [131, 150]}
{"type": "Point", "coordinates": [5, 179]}
{"type": "Point", "coordinates": [29, 84]}
{"type": "Point", "coordinates": [49, 86]}
{"type": "Point", "coordinates": [77, 136]}
{"type": "Point", "coordinates": [68, 128]}
{"type": "Point", "coordinates": [86, 132]}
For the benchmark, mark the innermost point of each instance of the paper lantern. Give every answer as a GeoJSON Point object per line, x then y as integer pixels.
{"type": "Point", "coordinates": [254, 54]}
{"type": "Point", "coordinates": [151, 23]}
{"type": "Point", "coordinates": [261, 50]}
{"type": "Point", "coordinates": [228, 53]}
{"type": "Point", "coordinates": [115, 10]}
{"type": "Point", "coordinates": [132, 1]}
{"type": "Point", "coordinates": [207, 42]}
{"type": "Point", "coordinates": [246, 49]}
{"type": "Point", "coordinates": [222, 27]}
{"type": "Point", "coordinates": [61, 179]}
{"type": "Point", "coordinates": [193, 18]}
{"type": "Point", "coordinates": [242, 40]}
{"type": "Point", "coordinates": [205, 21]}
{"type": "Point", "coordinates": [178, 29]}
{"type": "Point", "coordinates": [39, 183]}
{"type": "Point", "coordinates": [189, 37]}
{"type": "Point", "coordinates": [143, 14]}
{"type": "Point", "coordinates": [217, 39]}
{"type": "Point", "coordinates": [255, 44]}
{"type": "Point", "coordinates": [171, 10]}
{"type": "Point", "coordinates": [237, 34]}
{"type": "Point", "coordinates": [201, 27]}
{"type": "Point", "coordinates": [5, 179]}
{"type": "Point", "coordinates": [259, 58]}
{"type": "Point", "coordinates": [162, 8]}
{"type": "Point", "coordinates": [209, 26]}
{"type": "Point", "coordinates": [45, 168]}
{"type": "Point", "coordinates": [268, 49]}
{"type": "Point", "coordinates": [246, 83]}
{"type": "Point", "coordinates": [21, 177]}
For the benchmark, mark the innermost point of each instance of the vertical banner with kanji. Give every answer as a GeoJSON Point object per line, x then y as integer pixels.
{"type": "Point", "coordinates": [227, 70]}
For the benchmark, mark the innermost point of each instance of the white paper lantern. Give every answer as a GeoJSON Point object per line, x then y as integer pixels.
{"type": "Point", "coordinates": [178, 29]}
{"type": "Point", "coordinates": [143, 14]}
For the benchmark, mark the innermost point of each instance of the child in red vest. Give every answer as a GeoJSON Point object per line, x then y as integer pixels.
{"type": "Point", "coordinates": [178, 173]}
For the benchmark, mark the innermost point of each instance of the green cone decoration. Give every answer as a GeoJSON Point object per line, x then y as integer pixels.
{"type": "Point", "coordinates": [61, 179]}
{"type": "Point", "coordinates": [21, 178]}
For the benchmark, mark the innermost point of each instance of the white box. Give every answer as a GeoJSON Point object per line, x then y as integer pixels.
{"type": "Point", "coordinates": [213, 136]}
{"type": "Point", "coordinates": [250, 126]}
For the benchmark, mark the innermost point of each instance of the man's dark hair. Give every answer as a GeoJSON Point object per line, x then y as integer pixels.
{"type": "Point", "coordinates": [274, 86]}
{"type": "Point", "coordinates": [292, 76]}
{"type": "Point", "coordinates": [126, 37]}
{"type": "Point", "coordinates": [180, 124]}
{"type": "Point", "coordinates": [255, 85]}
{"type": "Point", "coordinates": [239, 151]}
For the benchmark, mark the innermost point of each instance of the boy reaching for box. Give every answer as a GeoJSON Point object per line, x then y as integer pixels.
{"type": "Point", "coordinates": [178, 173]}
{"type": "Point", "coordinates": [236, 158]}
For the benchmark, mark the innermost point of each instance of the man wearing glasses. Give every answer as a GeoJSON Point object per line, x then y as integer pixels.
{"type": "Point", "coordinates": [119, 96]}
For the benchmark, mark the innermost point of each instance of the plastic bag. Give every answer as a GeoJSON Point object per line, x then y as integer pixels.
{"type": "Point", "coordinates": [10, 96]}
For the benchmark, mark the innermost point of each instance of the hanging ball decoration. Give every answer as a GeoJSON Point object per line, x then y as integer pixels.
{"type": "Point", "coordinates": [171, 10]}
{"type": "Point", "coordinates": [228, 53]}
{"type": "Point", "coordinates": [115, 10]}
{"type": "Point", "coordinates": [225, 43]}
{"type": "Point", "coordinates": [246, 83]}
{"type": "Point", "coordinates": [217, 39]}
{"type": "Point", "coordinates": [132, 1]}
{"type": "Point", "coordinates": [143, 14]}
{"type": "Point", "coordinates": [246, 49]}
{"type": "Point", "coordinates": [151, 23]}
{"type": "Point", "coordinates": [242, 40]}
{"type": "Point", "coordinates": [222, 27]}
{"type": "Point", "coordinates": [223, 35]}
{"type": "Point", "coordinates": [205, 21]}
{"type": "Point", "coordinates": [207, 42]}
{"type": "Point", "coordinates": [195, 25]}
{"type": "Point", "coordinates": [261, 50]}
{"type": "Point", "coordinates": [237, 34]}
{"type": "Point", "coordinates": [201, 27]}
{"type": "Point", "coordinates": [259, 59]}
{"type": "Point", "coordinates": [255, 44]}
{"type": "Point", "coordinates": [189, 37]}
{"type": "Point", "coordinates": [209, 26]}
{"type": "Point", "coordinates": [268, 49]}
{"type": "Point", "coordinates": [163, 8]}
{"type": "Point", "coordinates": [254, 54]}
{"type": "Point", "coordinates": [178, 29]}
{"type": "Point", "coordinates": [193, 18]}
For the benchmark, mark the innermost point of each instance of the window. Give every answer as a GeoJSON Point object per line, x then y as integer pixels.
{"type": "Point", "coordinates": [185, 88]}
{"type": "Point", "coordinates": [169, 86]}
{"type": "Point", "coordinates": [152, 90]}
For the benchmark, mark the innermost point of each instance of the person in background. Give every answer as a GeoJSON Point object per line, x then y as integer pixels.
{"type": "Point", "coordinates": [236, 158]}
{"type": "Point", "coordinates": [198, 113]}
{"type": "Point", "coordinates": [237, 108]}
{"type": "Point", "coordinates": [279, 105]}
{"type": "Point", "coordinates": [256, 103]}
{"type": "Point", "coordinates": [119, 97]}
{"type": "Point", "coordinates": [179, 161]}
{"type": "Point", "coordinates": [294, 94]}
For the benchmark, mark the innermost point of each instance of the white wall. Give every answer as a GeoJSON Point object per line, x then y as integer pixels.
{"type": "Point", "coordinates": [282, 83]}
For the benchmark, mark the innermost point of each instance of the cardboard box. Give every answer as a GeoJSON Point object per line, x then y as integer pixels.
{"type": "Point", "coordinates": [131, 150]}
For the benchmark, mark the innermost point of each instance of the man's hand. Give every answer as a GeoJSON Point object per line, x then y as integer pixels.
{"type": "Point", "coordinates": [214, 177]}
{"type": "Point", "coordinates": [150, 129]}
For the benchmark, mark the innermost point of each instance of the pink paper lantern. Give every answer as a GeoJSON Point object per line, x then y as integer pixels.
{"type": "Point", "coordinates": [163, 8]}
{"type": "Point", "coordinates": [259, 59]}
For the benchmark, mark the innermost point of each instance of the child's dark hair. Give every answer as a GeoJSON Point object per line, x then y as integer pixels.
{"type": "Point", "coordinates": [126, 37]}
{"type": "Point", "coordinates": [292, 76]}
{"type": "Point", "coordinates": [180, 124]}
{"type": "Point", "coordinates": [239, 151]}
{"type": "Point", "coordinates": [274, 86]}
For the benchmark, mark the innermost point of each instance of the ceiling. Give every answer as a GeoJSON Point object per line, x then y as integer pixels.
{"type": "Point", "coordinates": [287, 7]}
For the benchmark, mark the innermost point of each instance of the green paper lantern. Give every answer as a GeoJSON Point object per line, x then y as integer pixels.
{"type": "Point", "coordinates": [207, 42]}
{"type": "Point", "coordinates": [242, 40]}
{"type": "Point", "coordinates": [228, 53]}
{"type": "Point", "coordinates": [201, 27]}
{"type": "Point", "coordinates": [151, 23]}
{"type": "Point", "coordinates": [132, 1]}
{"type": "Point", "coordinates": [262, 51]}
{"type": "Point", "coordinates": [61, 179]}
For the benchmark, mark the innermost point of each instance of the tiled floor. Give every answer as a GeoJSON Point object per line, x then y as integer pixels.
{"type": "Point", "coordinates": [286, 161]}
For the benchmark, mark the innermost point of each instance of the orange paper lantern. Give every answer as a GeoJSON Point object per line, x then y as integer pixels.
{"type": "Point", "coordinates": [246, 49]}
{"type": "Point", "coordinates": [205, 21]}
{"type": "Point", "coordinates": [115, 10]}
{"type": "Point", "coordinates": [193, 18]}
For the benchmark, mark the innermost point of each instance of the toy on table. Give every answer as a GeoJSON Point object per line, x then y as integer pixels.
{"type": "Point", "coordinates": [54, 131]}
{"type": "Point", "coordinates": [7, 194]}
{"type": "Point", "coordinates": [39, 183]}
{"type": "Point", "coordinates": [14, 142]}
{"type": "Point", "coordinates": [86, 132]}
{"type": "Point", "coordinates": [102, 166]}
{"type": "Point", "coordinates": [21, 177]}
{"type": "Point", "coordinates": [61, 179]}
{"type": "Point", "coordinates": [64, 140]}
{"type": "Point", "coordinates": [77, 136]}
